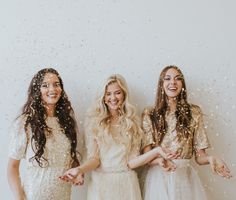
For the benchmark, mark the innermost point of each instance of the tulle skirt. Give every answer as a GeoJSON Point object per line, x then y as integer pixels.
{"type": "Point", "coordinates": [182, 184]}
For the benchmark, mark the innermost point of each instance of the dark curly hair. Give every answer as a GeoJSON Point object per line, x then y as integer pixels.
{"type": "Point", "coordinates": [36, 115]}
{"type": "Point", "coordinates": [182, 113]}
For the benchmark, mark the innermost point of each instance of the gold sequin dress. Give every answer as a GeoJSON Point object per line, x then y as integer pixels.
{"type": "Point", "coordinates": [43, 183]}
{"type": "Point", "coordinates": [183, 183]}
{"type": "Point", "coordinates": [113, 179]}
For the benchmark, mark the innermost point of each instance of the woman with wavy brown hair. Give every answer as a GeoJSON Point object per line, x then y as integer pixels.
{"type": "Point", "coordinates": [176, 126]}
{"type": "Point", "coordinates": [45, 135]}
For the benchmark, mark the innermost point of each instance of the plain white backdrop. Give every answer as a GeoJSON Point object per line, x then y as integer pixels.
{"type": "Point", "coordinates": [88, 40]}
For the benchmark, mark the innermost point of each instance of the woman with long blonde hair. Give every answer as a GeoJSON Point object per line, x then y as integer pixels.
{"type": "Point", "coordinates": [113, 140]}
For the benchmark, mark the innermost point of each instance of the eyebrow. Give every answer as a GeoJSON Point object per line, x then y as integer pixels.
{"type": "Point", "coordinates": [174, 76]}
{"type": "Point", "coordinates": [114, 91]}
{"type": "Point", "coordinates": [53, 82]}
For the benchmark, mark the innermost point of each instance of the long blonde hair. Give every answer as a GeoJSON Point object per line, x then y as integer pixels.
{"type": "Point", "coordinates": [99, 115]}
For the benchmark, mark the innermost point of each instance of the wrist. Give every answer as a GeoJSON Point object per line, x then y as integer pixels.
{"type": "Point", "coordinates": [209, 158]}
{"type": "Point", "coordinates": [79, 170]}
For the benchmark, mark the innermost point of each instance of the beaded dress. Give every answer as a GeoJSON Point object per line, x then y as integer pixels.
{"type": "Point", "coordinates": [42, 183]}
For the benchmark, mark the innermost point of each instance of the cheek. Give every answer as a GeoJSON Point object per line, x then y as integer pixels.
{"type": "Point", "coordinates": [164, 87]}
{"type": "Point", "coordinates": [59, 91]}
{"type": "Point", "coordinates": [105, 99]}
{"type": "Point", "coordinates": [122, 98]}
{"type": "Point", "coordinates": [42, 92]}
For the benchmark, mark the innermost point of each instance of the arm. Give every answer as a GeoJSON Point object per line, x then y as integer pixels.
{"type": "Point", "coordinates": [147, 157]}
{"type": "Point", "coordinates": [90, 165]}
{"type": "Point", "coordinates": [166, 165]}
{"type": "Point", "coordinates": [143, 159]}
{"type": "Point", "coordinates": [75, 175]}
{"type": "Point", "coordinates": [218, 166]}
{"type": "Point", "coordinates": [13, 177]}
{"type": "Point", "coordinates": [201, 157]}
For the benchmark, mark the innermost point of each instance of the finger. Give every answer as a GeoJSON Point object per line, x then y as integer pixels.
{"type": "Point", "coordinates": [213, 167]}
{"type": "Point", "coordinates": [70, 176]}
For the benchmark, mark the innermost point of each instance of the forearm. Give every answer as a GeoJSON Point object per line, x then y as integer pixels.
{"type": "Point", "coordinates": [143, 159]}
{"type": "Point", "coordinates": [89, 165]}
{"type": "Point", "coordinates": [201, 157]}
{"type": "Point", "coordinates": [14, 180]}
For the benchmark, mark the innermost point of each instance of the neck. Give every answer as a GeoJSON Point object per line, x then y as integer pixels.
{"type": "Point", "coordinates": [114, 116]}
{"type": "Point", "coordinates": [50, 109]}
{"type": "Point", "coordinates": [172, 104]}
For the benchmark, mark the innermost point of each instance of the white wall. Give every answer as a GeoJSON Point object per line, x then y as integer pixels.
{"type": "Point", "coordinates": [88, 40]}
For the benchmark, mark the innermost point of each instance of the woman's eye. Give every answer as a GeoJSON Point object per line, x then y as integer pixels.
{"type": "Point", "coordinates": [44, 85]}
{"type": "Point", "coordinates": [179, 78]}
{"type": "Point", "coordinates": [57, 85]}
{"type": "Point", "coordinates": [166, 79]}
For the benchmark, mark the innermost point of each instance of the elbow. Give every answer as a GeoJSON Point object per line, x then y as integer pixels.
{"type": "Point", "coordinates": [95, 162]}
{"type": "Point", "coordinates": [131, 165]}
{"type": "Point", "coordinates": [199, 160]}
{"type": "Point", "coordinates": [98, 163]}
{"type": "Point", "coordinates": [13, 165]}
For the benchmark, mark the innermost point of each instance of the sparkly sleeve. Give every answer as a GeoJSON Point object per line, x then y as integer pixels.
{"type": "Point", "coordinates": [147, 128]}
{"type": "Point", "coordinates": [91, 142]}
{"type": "Point", "coordinates": [200, 137]}
{"type": "Point", "coordinates": [18, 141]}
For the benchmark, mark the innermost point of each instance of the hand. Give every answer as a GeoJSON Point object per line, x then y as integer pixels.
{"type": "Point", "coordinates": [79, 180]}
{"type": "Point", "coordinates": [219, 167]}
{"type": "Point", "coordinates": [167, 154]}
{"type": "Point", "coordinates": [166, 165]}
{"type": "Point", "coordinates": [73, 175]}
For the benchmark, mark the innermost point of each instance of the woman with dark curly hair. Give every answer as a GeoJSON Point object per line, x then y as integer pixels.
{"type": "Point", "coordinates": [176, 126]}
{"type": "Point", "coordinates": [45, 135]}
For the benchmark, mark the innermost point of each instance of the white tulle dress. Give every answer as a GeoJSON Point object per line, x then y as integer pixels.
{"type": "Point", "coordinates": [184, 182]}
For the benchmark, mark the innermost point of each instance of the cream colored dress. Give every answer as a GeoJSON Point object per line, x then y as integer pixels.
{"type": "Point", "coordinates": [113, 179]}
{"type": "Point", "coordinates": [183, 183]}
{"type": "Point", "coordinates": [43, 183]}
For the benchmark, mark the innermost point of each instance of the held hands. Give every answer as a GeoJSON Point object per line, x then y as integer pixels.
{"type": "Point", "coordinates": [166, 153]}
{"type": "Point", "coordinates": [74, 176]}
{"type": "Point", "coordinates": [166, 165]}
{"type": "Point", "coordinates": [219, 167]}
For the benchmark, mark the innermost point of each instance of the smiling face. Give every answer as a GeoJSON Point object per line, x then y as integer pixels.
{"type": "Point", "coordinates": [114, 97]}
{"type": "Point", "coordinates": [50, 89]}
{"type": "Point", "coordinates": [172, 83]}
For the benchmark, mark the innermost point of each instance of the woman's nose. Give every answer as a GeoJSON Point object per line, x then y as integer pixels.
{"type": "Point", "coordinates": [113, 96]}
{"type": "Point", "coordinates": [173, 81]}
{"type": "Point", "coordinates": [51, 87]}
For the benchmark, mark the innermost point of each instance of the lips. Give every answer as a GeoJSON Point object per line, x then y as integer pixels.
{"type": "Point", "coordinates": [173, 89]}
{"type": "Point", "coordinates": [52, 95]}
{"type": "Point", "coordinates": [114, 103]}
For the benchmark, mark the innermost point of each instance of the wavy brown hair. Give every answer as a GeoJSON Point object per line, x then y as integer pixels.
{"type": "Point", "coordinates": [36, 115]}
{"type": "Point", "coordinates": [182, 113]}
